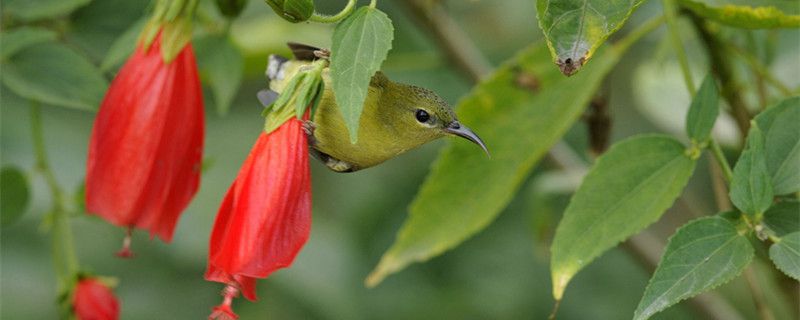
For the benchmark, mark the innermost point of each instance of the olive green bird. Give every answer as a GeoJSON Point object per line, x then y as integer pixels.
{"type": "Point", "coordinates": [396, 117]}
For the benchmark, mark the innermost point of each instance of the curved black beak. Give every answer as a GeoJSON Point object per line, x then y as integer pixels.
{"type": "Point", "coordinates": [460, 130]}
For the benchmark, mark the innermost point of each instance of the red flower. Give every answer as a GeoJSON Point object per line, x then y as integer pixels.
{"type": "Point", "coordinates": [145, 151]}
{"type": "Point", "coordinates": [265, 217]}
{"type": "Point", "coordinates": [93, 300]}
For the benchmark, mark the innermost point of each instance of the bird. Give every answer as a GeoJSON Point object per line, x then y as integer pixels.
{"type": "Point", "coordinates": [396, 117]}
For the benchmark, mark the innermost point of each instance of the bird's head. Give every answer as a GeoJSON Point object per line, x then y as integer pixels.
{"type": "Point", "coordinates": [423, 116]}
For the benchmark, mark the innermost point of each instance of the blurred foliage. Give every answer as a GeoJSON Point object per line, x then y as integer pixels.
{"type": "Point", "coordinates": [500, 273]}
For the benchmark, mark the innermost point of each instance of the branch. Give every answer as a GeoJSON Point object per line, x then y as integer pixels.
{"type": "Point", "coordinates": [456, 45]}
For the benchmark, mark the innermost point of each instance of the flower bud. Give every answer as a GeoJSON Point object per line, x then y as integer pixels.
{"type": "Point", "coordinates": [93, 300]}
{"type": "Point", "coordinates": [292, 10]}
{"type": "Point", "coordinates": [231, 8]}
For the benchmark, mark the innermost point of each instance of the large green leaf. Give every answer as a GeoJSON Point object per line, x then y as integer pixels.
{"type": "Point", "coordinates": [574, 29]}
{"type": "Point", "coordinates": [783, 217]}
{"type": "Point", "coordinates": [20, 38]}
{"type": "Point", "coordinates": [782, 144]}
{"type": "Point", "coordinates": [30, 10]}
{"type": "Point", "coordinates": [786, 254]}
{"type": "Point", "coordinates": [14, 195]}
{"type": "Point", "coordinates": [702, 254]}
{"type": "Point", "coordinates": [703, 112]}
{"type": "Point", "coordinates": [222, 66]}
{"type": "Point", "coordinates": [751, 14]}
{"type": "Point", "coordinates": [54, 74]}
{"type": "Point", "coordinates": [520, 111]}
{"type": "Point", "coordinates": [360, 44]}
{"type": "Point", "coordinates": [628, 188]}
{"type": "Point", "coordinates": [751, 189]}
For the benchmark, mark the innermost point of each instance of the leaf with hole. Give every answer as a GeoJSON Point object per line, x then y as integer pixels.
{"type": "Point", "coordinates": [520, 111]}
{"type": "Point", "coordinates": [779, 124]}
{"type": "Point", "coordinates": [749, 14]}
{"type": "Point", "coordinates": [627, 189]}
{"type": "Point", "coordinates": [222, 66]}
{"type": "Point", "coordinates": [700, 256]}
{"type": "Point", "coordinates": [574, 29]}
{"type": "Point", "coordinates": [786, 254]}
{"type": "Point", "coordinates": [360, 44]}
{"type": "Point", "coordinates": [14, 195]}
{"type": "Point", "coordinates": [55, 74]}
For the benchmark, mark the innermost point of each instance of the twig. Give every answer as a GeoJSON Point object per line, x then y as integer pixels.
{"type": "Point", "coordinates": [457, 46]}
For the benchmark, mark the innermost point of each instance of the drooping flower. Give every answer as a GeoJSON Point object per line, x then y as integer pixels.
{"type": "Point", "coordinates": [93, 300]}
{"type": "Point", "coordinates": [146, 146]}
{"type": "Point", "coordinates": [265, 218]}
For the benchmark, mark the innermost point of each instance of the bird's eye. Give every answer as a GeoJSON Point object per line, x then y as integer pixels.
{"type": "Point", "coordinates": [422, 116]}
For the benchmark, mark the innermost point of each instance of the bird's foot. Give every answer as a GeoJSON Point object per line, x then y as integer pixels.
{"type": "Point", "coordinates": [308, 128]}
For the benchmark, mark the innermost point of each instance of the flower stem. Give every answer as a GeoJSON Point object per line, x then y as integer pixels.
{"type": "Point", "coordinates": [64, 257]}
{"type": "Point", "coordinates": [317, 17]}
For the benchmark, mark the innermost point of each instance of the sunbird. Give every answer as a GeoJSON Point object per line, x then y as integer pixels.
{"type": "Point", "coordinates": [396, 118]}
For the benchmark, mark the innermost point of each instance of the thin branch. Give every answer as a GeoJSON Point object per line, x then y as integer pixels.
{"type": "Point", "coordinates": [456, 45]}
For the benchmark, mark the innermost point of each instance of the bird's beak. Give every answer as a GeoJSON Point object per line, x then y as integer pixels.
{"type": "Point", "coordinates": [460, 130]}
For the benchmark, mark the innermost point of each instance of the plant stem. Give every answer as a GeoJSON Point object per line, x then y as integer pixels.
{"type": "Point", "coordinates": [760, 69]}
{"type": "Point", "coordinates": [456, 45]}
{"type": "Point", "coordinates": [64, 257]}
{"type": "Point", "coordinates": [672, 28]}
{"type": "Point", "coordinates": [720, 157]}
{"type": "Point", "coordinates": [720, 65]}
{"type": "Point", "coordinates": [348, 9]}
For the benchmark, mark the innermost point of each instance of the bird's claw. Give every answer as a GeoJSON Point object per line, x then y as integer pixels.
{"type": "Point", "coordinates": [309, 127]}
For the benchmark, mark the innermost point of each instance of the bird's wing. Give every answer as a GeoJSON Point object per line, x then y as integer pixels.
{"type": "Point", "coordinates": [303, 51]}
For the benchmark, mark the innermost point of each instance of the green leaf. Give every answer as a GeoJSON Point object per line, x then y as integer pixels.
{"type": "Point", "coordinates": [30, 10]}
{"type": "Point", "coordinates": [574, 29]}
{"type": "Point", "coordinates": [524, 108]}
{"type": "Point", "coordinates": [627, 189]}
{"type": "Point", "coordinates": [786, 254]}
{"type": "Point", "coordinates": [14, 195]}
{"type": "Point", "coordinates": [701, 255]}
{"type": "Point", "coordinates": [783, 217]}
{"type": "Point", "coordinates": [750, 14]}
{"type": "Point", "coordinates": [20, 38]}
{"type": "Point", "coordinates": [222, 66]}
{"type": "Point", "coordinates": [782, 144]}
{"type": "Point", "coordinates": [751, 189]}
{"type": "Point", "coordinates": [123, 46]}
{"type": "Point", "coordinates": [55, 74]}
{"type": "Point", "coordinates": [360, 44]}
{"type": "Point", "coordinates": [703, 112]}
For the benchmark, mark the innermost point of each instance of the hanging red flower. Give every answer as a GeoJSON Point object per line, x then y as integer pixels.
{"type": "Point", "coordinates": [146, 146]}
{"type": "Point", "coordinates": [93, 300]}
{"type": "Point", "coordinates": [265, 218]}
